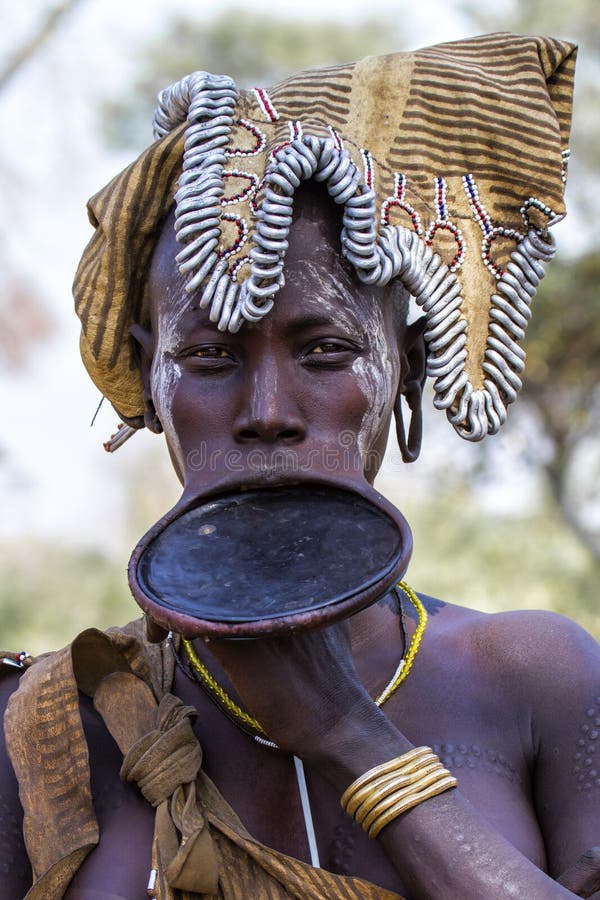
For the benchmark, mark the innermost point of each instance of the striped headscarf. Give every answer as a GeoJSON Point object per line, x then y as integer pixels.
{"type": "Point", "coordinates": [449, 162]}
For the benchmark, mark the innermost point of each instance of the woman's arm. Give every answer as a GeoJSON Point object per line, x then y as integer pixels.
{"type": "Point", "coordinates": [305, 693]}
{"type": "Point", "coordinates": [563, 678]}
{"type": "Point", "coordinates": [14, 862]}
{"type": "Point", "coordinates": [443, 847]}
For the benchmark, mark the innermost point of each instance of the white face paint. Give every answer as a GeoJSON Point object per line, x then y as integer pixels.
{"type": "Point", "coordinates": [377, 376]}
{"type": "Point", "coordinates": [327, 289]}
{"type": "Point", "coordinates": [376, 371]}
{"type": "Point", "coordinates": [325, 285]}
{"type": "Point", "coordinates": [166, 370]}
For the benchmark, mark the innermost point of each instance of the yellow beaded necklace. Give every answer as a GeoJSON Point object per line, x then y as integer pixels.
{"type": "Point", "coordinates": [398, 677]}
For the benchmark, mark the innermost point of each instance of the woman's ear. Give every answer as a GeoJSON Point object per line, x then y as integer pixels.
{"type": "Point", "coordinates": [413, 371]}
{"type": "Point", "coordinates": [144, 339]}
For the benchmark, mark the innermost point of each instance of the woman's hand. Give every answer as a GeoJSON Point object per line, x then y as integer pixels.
{"type": "Point", "coordinates": [303, 689]}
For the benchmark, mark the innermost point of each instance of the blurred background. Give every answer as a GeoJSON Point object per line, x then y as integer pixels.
{"type": "Point", "coordinates": [511, 523]}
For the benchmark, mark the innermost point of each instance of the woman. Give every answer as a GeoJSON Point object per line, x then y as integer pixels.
{"type": "Point", "coordinates": [273, 356]}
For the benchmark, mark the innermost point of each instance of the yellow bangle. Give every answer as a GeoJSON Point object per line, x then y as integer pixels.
{"type": "Point", "coordinates": [380, 786]}
{"type": "Point", "coordinates": [376, 809]}
{"type": "Point", "coordinates": [393, 765]}
{"type": "Point", "coordinates": [392, 788]}
{"type": "Point", "coordinates": [395, 791]}
{"type": "Point", "coordinates": [404, 805]}
{"type": "Point", "coordinates": [402, 776]}
{"type": "Point", "coordinates": [378, 771]}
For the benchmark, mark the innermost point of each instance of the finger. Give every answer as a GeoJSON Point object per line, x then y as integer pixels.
{"type": "Point", "coordinates": [583, 879]}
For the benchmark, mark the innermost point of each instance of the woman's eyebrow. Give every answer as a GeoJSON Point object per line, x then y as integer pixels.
{"type": "Point", "coordinates": [315, 320]}
{"type": "Point", "coordinates": [192, 316]}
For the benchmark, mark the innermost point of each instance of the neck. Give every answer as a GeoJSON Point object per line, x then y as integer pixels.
{"type": "Point", "coordinates": [376, 640]}
{"type": "Point", "coordinates": [377, 644]}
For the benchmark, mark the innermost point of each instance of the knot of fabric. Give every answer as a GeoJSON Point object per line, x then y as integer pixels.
{"type": "Point", "coordinates": [165, 763]}
{"type": "Point", "coordinates": [167, 757]}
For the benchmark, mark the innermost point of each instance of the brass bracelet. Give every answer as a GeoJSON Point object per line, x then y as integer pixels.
{"type": "Point", "coordinates": [392, 788]}
{"type": "Point", "coordinates": [394, 779]}
{"type": "Point", "coordinates": [381, 800]}
{"type": "Point", "coordinates": [404, 805]}
{"type": "Point", "coordinates": [406, 761]}
{"type": "Point", "coordinates": [393, 799]}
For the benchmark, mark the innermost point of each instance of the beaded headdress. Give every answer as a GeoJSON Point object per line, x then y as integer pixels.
{"type": "Point", "coordinates": [449, 164]}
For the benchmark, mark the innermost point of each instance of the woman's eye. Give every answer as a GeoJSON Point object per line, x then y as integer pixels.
{"type": "Point", "coordinates": [328, 347]}
{"type": "Point", "coordinates": [209, 357]}
{"type": "Point", "coordinates": [330, 353]}
{"type": "Point", "coordinates": [210, 353]}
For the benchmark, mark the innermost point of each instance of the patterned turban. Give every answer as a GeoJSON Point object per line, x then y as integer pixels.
{"type": "Point", "coordinates": [449, 164]}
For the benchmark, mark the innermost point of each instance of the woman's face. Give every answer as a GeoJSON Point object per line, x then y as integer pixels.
{"type": "Point", "coordinates": [308, 391]}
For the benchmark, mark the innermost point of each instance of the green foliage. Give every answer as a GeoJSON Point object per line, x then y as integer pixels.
{"type": "Point", "coordinates": [581, 20]}
{"type": "Point", "coordinates": [563, 345]}
{"type": "Point", "coordinates": [49, 594]}
{"type": "Point", "coordinates": [252, 48]}
{"type": "Point", "coordinates": [562, 384]}
{"type": "Point", "coordinates": [498, 564]}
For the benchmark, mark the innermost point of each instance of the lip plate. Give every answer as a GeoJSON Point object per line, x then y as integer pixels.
{"type": "Point", "coordinates": [335, 607]}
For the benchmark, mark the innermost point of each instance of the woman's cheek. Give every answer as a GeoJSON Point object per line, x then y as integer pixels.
{"type": "Point", "coordinates": [375, 379]}
{"type": "Point", "coordinates": [200, 418]}
{"type": "Point", "coordinates": [165, 379]}
{"type": "Point", "coordinates": [336, 426]}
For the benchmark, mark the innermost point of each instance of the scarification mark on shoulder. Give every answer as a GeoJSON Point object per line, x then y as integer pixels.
{"type": "Point", "coordinates": [586, 758]}
{"type": "Point", "coordinates": [458, 757]}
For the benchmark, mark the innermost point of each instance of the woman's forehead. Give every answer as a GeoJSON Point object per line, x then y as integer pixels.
{"type": "Point", "coordinates": [316, 275]}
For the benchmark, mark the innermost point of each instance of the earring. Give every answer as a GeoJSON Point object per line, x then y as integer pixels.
{"type": "Point", "coordinates": [151, 420]}
{"type": "Point", "coordinates": [116, 440]}
{"type": "Point", "coordinates": [156, 424]}
{"type": "Point", "coordinates": [409, 449]}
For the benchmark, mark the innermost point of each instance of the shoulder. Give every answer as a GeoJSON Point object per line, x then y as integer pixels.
{"type": "Point", "coordinates": [12, 668]}
{"type": "Point", "coordinates": [536, 654]}
{"type": "Point", "coordinates": [535, 644]}
{"type": "Point", "coordinates": [519, 638]}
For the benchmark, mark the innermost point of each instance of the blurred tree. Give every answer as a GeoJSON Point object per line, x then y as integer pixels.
{"type": "Point", "coordinates": [562, 383]}
{"type": "Point", "coordinates": [580, 22]}
{"type": "Point", "coordinates": [23, 316]}
{"type": "Point", "coordinates": [525, 16]}
{"type": "Point", "coordinates": [43, 30]}
{"type": "Point", "coordinates": [48, 593]}
{"type": "Point", "coordinates": [479, 561]}
{"type": "Point", "coordinates": [253, 48]}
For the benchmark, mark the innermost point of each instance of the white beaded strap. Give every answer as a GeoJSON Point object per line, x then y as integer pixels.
{"type": "Point", "coordinates": [473, 413]}
{"type": "Point", "coordinates": [304, 158]}
{"type": "Point", "coordinates": [208, 103]}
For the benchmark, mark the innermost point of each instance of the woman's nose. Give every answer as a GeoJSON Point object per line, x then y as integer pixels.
{"type": "Point", "coordinates": [268, 412]}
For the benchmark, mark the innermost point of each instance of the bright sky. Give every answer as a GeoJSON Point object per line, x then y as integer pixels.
{"type": "Point", "coordinates": [55, 479]}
